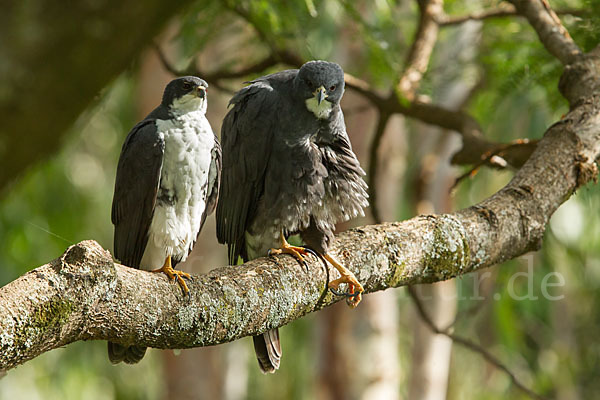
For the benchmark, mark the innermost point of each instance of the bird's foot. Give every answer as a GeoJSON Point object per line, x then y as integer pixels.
{"type": "Point", "coordinates": [297, 252]}
{"type": "Point", "coordinates": [174, 274]}
{"type": "Point", "coordinates": [355, 289]}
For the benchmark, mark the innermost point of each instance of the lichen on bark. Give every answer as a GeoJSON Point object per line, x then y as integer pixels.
{"type": "Point", "coordinates": [449, 252]}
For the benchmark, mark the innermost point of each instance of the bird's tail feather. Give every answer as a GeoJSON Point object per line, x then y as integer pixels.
{"type": "Point", "coordinates": [127, 354]}
{"type": "Point", "coordinates": [268, 350]}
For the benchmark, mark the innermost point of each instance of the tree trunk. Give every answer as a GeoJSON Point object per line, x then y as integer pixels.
{"type": "Point", "coordinates": [51, 68]}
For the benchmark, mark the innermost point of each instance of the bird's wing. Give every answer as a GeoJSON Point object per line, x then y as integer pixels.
{"type": "Point", "coordinates": [344, 168]}
{"type": "Point", "coordinates": [136, 187]}
{"type": "Point", "coordinates": [214, 182]}
{"type": "Point", "coordinates": [341, 144]}
{"type": "Point", "coordinates": [246, 137]}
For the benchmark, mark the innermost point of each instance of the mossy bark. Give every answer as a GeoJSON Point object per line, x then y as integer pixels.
{"type": "Point", "coordinates": [83, 295]}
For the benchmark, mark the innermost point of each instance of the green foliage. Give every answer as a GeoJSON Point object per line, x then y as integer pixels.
{"type": "Point", "coordinates": [584, 28]}
{"type": "Point", "coordinates": [295, 377]}
{"type": "Point", "coordinates": [551, 344]}
{"type": "Point", "coordinates": [81, 371]}
{"type": "Point", "coordinates": [59, 203]}
{"type": "Point", "coordinates": [315, 29]}
{"type": "Point", "coordinates": [519, 71]}
{"type": "Point", "coordinates": [67, 199]}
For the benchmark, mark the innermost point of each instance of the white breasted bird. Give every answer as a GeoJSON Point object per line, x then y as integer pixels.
{"type": "Point", "coordinates": [167, 183]}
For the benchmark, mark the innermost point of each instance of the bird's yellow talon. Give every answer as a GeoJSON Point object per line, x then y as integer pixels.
{"type": "Point", "coordinates": [355, 289]}
{"type": "Point", "coordinates": [173, 274]}
{"type": "Point", "coordinates": [297, 252]}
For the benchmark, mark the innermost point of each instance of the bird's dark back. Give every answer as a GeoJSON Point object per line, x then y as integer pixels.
{"type": "Point", "coordinates": [260, 135]}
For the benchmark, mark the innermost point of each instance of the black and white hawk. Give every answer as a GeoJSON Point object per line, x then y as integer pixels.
{"type": "Point", "coordinates": [167, 183]}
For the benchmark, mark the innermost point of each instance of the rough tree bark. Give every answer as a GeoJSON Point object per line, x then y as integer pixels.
{"type": "Point", "coordinates": [83, 295]}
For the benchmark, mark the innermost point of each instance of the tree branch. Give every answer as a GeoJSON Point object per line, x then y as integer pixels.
{"type": "Point", "coordinates": [217, 76]}
{"type": "Point", "coordinates": [504, 10]}
{"type": "Point", "coordinates": [475, 146]}
{"type": "Point", "coordinates": [550, 30]}
{"type": "Point", "coordinates": [513, 153]}
{"type": "Point", "coordinates": [420, 51]}
{"type": "Point", "coordinates": [84, 296]}
{"type": "Point", "coordinates": [382, 122]}
{"type": "Point", "coordinates": [469, 345]}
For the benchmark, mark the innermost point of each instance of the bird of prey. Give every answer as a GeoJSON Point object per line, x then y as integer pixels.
{"type": "Point", "coordinates": [167, 183]}
{"type": "Point", "coordinates": [288, 168]}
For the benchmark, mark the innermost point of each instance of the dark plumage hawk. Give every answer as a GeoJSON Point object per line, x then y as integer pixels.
{"type": "Point", "coordinates": [288, 168]}
{"type": "Point", "coordinates": [167, 183]}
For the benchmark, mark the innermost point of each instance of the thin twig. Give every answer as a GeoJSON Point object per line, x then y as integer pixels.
{"type": "Point", "coordinates": [553, 35]}
{"type": "Point", "coordinates": [458, 121]}
{"type": "Point", "coordinates": [471, 312]}
{"type": "Point", "coordinates": [505, 10]}
{"type": "Point", "coordinates": [163, 59]}
{"type": "Point", "coordinates": [188, 71]}
{"type": "Point", "coordinates": [359, 109]}
{"type": "Point", "coordinates": [470, 345]}
{"type": "Point", "coordinates": [416, 64]}
{"type": "Point", "coordinates": [218, 75]}
{"type": "Point", "coordinates": [364, 89]}
{"type": "Point", "coordinates": [373, 166]}
{"type": "Point", "coordinates": [497, 157]}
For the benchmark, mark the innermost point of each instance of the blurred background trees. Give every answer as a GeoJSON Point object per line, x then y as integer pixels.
{"type": "Point", "coordinates": [96, 71]}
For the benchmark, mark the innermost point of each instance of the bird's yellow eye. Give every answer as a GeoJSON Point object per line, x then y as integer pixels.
{"type": "Point", "coordinates": [332, 88]}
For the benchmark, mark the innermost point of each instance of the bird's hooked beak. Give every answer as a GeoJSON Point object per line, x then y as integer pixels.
{"type": "Point", "coordinates": [320, 94]}
{"type": "Point", "coordinates": [200, 91]}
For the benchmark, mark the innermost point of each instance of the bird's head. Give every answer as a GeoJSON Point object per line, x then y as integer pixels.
{"type": "Point", "coordinates": [185, 94]}
{"type": "Point", "coordinates": [320, 84]}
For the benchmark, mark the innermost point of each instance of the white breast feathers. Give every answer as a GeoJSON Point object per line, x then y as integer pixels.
{"type": "Point", "coordinates": [182, 193]}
